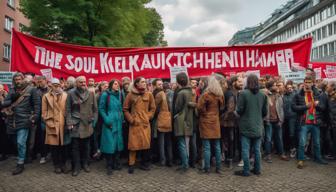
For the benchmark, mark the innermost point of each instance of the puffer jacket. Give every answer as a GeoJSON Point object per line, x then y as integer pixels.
{"type": "Point", "coordinates": [26, 112]}
{"type": "Point", "coordinates": [299, 105]}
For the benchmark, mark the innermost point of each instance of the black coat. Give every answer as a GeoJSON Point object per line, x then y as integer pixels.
{"type": "Point", "coordinates": [287, 104]}
{"type": "Point", "coordinates": [332, 111]}
{"type": "Point", "coordinates": [25, 112]}
{"type": "Point", "coordinates": [299, 105]}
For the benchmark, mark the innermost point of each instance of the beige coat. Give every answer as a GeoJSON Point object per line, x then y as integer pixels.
{"type": "Point", "coordinates": [53, 114]}
{"type": "Point", "coordinates": [139, 110]}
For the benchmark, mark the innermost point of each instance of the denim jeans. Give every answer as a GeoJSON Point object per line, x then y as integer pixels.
{"type": "Point", "coordinates": [278, 141]}
{"type": "Point", "coordinates": [246, 142]}
{"type": "Point", "coordinates": [181, 143]}
{"type": "Point", "coordinates": [21, 140]}
{"type": "Point", "coordinates": [207, 152]}
{"type": "Point", "coordinates": [193, 148]}
{"type": "Point", "coordinates": [315, 132]}
{"type": "Point", "coordinates": [165, 142]}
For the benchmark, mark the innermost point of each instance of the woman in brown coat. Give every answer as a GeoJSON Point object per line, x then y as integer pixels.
{"type": "Point", "coordinates": [53, 113]}
{"type": "Point", "coordinates": [139, 108]}
{"type": "Point", "coordinates": [209, 106]}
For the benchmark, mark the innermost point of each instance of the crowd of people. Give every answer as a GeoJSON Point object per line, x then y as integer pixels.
{"type": "Point", "coordinates": [193, 123]}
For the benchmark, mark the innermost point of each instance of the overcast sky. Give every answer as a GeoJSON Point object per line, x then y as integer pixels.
{"type": "Point", "coordinates": [210, 22]}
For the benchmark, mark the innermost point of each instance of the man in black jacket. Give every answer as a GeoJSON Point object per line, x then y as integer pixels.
{"type": "Point", "coordinates": [308, 107]}
{"type": "Point", "coordinates": [25, 106]}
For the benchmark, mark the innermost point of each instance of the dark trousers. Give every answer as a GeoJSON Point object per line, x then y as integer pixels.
{"type": "Point", "coordinates": [80, 152]}
{"type": "Point", "coordinates": [229, 139]}
{"type": "Point", "coordinates": [4, 139]}
{"type": "Point", "coordinates": [31, 141]}
{"type": "Point", "coordinates": [325, 139]}
{"type": "Point", "coordinates": [165, 145]}
{"type": "Point", "coordinates": [58, 154]}
{"type": "Point", "coordinates": [40, 146]}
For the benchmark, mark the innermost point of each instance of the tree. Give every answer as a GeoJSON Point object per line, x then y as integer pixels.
{"type": "Point", "coordinates": [117, 23]}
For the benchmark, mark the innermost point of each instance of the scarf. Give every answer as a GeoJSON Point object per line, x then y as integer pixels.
{"type": "Point", "coordinates": [141, 90]}
{"type": "Point", "coordinates": [310, 116]}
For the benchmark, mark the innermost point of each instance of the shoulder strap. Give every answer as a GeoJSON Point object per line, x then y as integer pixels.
{"type": "Point", "coordinates": [20, 99]}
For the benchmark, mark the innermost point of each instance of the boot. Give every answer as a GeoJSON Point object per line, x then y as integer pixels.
{"type": "Point", "coordinates": [109, 170]}
{"type": "Point", "coordinates": [230, 164]}
{"type": "Point", "coordinates": [19, 169]}
{"type": "Point", "coordinates": [66, 167]}
{"type": "Point", "coordinates": [86, 168]}
{"type": "Point", "coordinates": [3, 157]}
{"type": "Point", "coordinates": [75, 172]}
{"type": "Point", "coordinates": [131, 169]}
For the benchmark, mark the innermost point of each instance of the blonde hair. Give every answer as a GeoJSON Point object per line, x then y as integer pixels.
{"type": "Point", "coordinates": [214, 86]}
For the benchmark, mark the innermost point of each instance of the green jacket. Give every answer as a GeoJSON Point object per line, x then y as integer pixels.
{"type": "Point", "coordinates": [252, 109]}
{"type": "Point", "coordinates": [183, 112]}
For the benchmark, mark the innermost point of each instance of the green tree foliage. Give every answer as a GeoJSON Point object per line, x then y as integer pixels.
{"type": "Point", "coordinates": [110, 23]}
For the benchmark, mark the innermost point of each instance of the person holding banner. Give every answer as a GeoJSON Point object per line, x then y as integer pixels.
{"type": "Point", "coordinates": [21, 107]}
{"type": "Point", "coordinates": [139, 108]}
{"type": "Point", "coordinates": [81, 110]}
{"type": "Point", "coordinates": [53, 114]}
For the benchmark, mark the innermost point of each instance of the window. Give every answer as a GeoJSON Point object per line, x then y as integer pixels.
{"type": "Point", "coordinates": [330, 29]}
{"type": "Point", "coordinates": [318, 34]}
{"type": "Point", "coordinates": [11, 3]}
{"type": "Point", "coordinates": [320, 52]}
{"type": "Point", "coordinates": [325, 50]}
{"type": "Point", "coordinates": [21, 27]}
{"type": "Point", "coordinates": [8, 24]}
{"type": "Point", "coordinates": [324, 32]}
{"type": "Point", "coordinates": [332, 48]}
{"type": "Point", "coordinates": [6, 51]}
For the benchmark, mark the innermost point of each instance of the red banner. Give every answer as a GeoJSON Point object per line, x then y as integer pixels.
{"type": "Point", "coordinates": [324, 70]}
{"type": "Point", "coordinates": [31, 54]}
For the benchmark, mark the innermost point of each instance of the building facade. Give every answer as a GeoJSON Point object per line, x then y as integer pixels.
{"type": "Point", "coordinates": [300, 19]}
{"type": "Point", "coordinates": [11, 17]}
{"type": "Point", "coordinates": [244, 37]}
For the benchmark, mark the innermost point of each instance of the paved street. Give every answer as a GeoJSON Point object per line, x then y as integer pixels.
{"type": "Point", "coordinates": [278, 176]}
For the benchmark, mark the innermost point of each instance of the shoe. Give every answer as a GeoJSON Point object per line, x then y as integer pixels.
{"type": "Point", "coordinates": [43, 160]}
{"type": "Point", "coordinates": [255, 172]}
{"type": "Point", "coordinates": [293, 153]}
{"type": "Point", "coordinates": [169, 164]}
{"type": "Point", "coordinates": [241, 173]}
{"type": "Point", "coordinates": [219, 171]}
{"type": "Point", "coordinates": [86, 168]}
{"type": "Point", "coordinates": [182, 169]}
{"type": "Point", "coordinates": [268, 159]}
{"type": "Point", "coordinates": [19, 169]}
{"type": "Point", "coordinates": [284, 158]}
{"type": "Point", "coordinates": [229, 164]}
{"type": "Point", "coordinates": [144, 167]}
{"type": "Point", "coordinates": [300, 165]}
{"type": "Point", "coordinates": [109, 171]}
{"type": "Point", "coordinates": [3, 157]}
{"type": "Point", "coordinates": [131, 169]}
{"type": "Point", "coordinates": [321, 161]}
{"type": "Point", "coordinates": [58, 170]}
{"type": "Point", "coordinates": [65, 169]}
{"type": "Point", "coordinates": [204, 171]}
{"type": "Point", "coordinates": [75, 173]}
{"type": "Point", "coordinates": [241, 163]}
